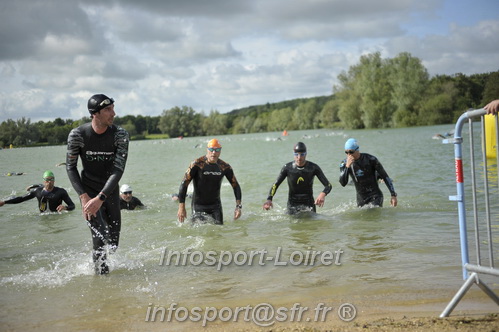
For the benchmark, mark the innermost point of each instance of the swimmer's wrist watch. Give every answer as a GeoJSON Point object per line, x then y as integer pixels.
{"type": "Point", "coordinates": [239, 206]}
{"type": "Point", "coordinates": [102, 197]}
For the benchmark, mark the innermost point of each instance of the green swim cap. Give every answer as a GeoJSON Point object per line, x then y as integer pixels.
{"type": "Point", "coordinates": [48, 174]}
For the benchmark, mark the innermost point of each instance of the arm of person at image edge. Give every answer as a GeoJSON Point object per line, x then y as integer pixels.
{"type": "Point", "coordinates": [282, 175]}
{"type": "Point", "coordinates": [492, 107]}
{"type": "Point", "coordinates": [74, 144]}
{"type": "Point", "coordinates": [321, 198]}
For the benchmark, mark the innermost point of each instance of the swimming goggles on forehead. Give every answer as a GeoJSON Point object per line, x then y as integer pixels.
{"type": "Point", "coordinates": [108, 101]}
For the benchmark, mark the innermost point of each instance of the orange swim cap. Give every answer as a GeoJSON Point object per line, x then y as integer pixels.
{"type": "Point", "coordinates": [214, 143]}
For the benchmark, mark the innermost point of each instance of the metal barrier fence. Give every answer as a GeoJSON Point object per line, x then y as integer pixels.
{"type": "Point", "coordinates": [482, 226]}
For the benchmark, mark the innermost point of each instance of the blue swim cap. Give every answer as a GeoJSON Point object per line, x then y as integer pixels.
{"type": "Point", "coordinates": [351, 144]}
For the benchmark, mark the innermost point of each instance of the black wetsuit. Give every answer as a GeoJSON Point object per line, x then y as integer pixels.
{"type": "Point", "coordinates": [207, 179]}
{"type": "Point", "coordinates": [300, 183]}
{"type": "Point", "coordinates": [367, 170]}
{"type": "Point", "coordinates": [134, 202]}
{"type": "Point", "coordinates": [103, 158]}
{"type": "Point", "coordinates": [54, 198]}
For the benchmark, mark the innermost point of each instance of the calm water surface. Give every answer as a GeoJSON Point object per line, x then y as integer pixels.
{"type": "Point", "coordinates": [408, 253]}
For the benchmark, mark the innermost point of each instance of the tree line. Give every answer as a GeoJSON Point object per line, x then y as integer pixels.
{"type": "Point", "coordinates": [375, 93]}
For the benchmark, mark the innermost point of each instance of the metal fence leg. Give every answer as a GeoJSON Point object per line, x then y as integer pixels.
{"type": "Point", "coordinates": [459, 295]}
{"type": "Point", "coordinates": [488, 291]}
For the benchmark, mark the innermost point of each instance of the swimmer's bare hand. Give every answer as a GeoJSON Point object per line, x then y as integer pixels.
{"type": "Point", "coordinates": [320, 199]}
{"type": "Point", "coordinates": [350, 160]}
{"type": "Point", "coordinates": [492, 107]}
{"type": "Point", "coordinates": [93, 205]}
{"type": "Point", "coordinates": [237, 213]}
{"type": "Point", "coordinates": [181, 213]}
{"type": "Point", "coordinates": [267, 205]}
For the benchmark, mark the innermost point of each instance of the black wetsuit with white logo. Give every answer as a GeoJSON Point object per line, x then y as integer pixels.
{"type": "Point", "coordinates": [207, 179]}
{"type": "Point", "coordinates": [46, 199]}
{"type": "Point", "coordinates": [300, 183]}
{"type": "Point", "coordinates": [103, 157]}
{"type": "Point", "coordinates": [365, 173]}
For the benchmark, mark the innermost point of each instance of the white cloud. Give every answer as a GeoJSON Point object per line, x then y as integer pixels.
{"type": "Point", "coordinates": [221, 54]}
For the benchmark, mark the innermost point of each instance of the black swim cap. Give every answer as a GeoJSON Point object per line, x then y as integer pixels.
{"type": "Point", "coordinates": [300, 147]}
{"type": "Point", "coordinates": [98, 102]}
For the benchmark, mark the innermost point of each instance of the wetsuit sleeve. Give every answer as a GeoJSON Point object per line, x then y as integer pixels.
{"type": "Point", "coordinates": [233, 182]}
{"type": "Point", "coordinates": [383, 175]}
{"type": "Point", "coordinates": [75, 143]}
{"type": "Point", "coordinates": [282, 175]}
{"type": "Point", "coordinates": [323, 179]}
{"type": "Point", "coordinates": [343, 173]}
{"type": "Point", "coordinates": [20, 199]}
{"type": "Point", "coordinates": [121, 140]}
{"type": "Point", "coordinates": [68, 201]}
{"type": "Point", "coordinates": [189, 174]}
{"type": "Point", "coordinates": [138, 202]}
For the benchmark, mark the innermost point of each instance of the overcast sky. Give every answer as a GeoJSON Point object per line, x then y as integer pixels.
{"type": "Point", "coordinates": [152, 55]}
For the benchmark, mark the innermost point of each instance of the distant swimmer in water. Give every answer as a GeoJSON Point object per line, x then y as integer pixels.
{"type": "Point", "coordinates": [365, 171]}
{"type": "Point", "coordinates": [49, 196]}
{"type": "Point", "coordinates": [300, 174]}
{"type": "Point", "coordinates": [14, 173]}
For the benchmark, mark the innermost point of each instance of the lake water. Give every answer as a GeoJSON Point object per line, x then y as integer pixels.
{"type": "Point", "coordinates": [378, 258]}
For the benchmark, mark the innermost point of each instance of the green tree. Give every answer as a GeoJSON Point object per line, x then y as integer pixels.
{"type": "Point", "coordinates": [329, 114]}
{"type": "Point", "coordinates": [438, 104]}
{"type": "Point", "coordinates": [215, 124]}
{"type": "Point", "coordinates": [349, 99]}
{"type": "Point", "coordinates": [130, 128]}
{"type": "Point", "coordinates": [491, 90]}
{"type": "Point", "coordinates": [409, 80]}
{"type": "Point", "coordinates": [375, 90]}
{"type": "Point", "coordinates": [304, 115]}
{"type": "Point", "coordinates": [280, 119]}
{"type": "Point", "coordinates": [180, 122]}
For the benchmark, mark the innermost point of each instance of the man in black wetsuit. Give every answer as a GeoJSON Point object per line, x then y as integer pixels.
{"type": "Point", "coordinates": [300, 174]}
{"type": "Point", "coordinates": [207, 172]}
{"type": "Point", "coordinates": [127, 200]}
{"type": "Point", "coordinates": [365, 171]}
{"type": "Point", "coordinates": [103, 148]}
{"type": "Point", "coordinates": [48, 195]}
